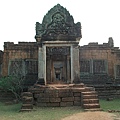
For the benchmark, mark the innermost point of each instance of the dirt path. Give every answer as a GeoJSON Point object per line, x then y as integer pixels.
{"type": "Point", "coordinates": [91, 116]}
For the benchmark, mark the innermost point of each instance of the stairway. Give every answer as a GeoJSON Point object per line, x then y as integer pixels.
{"type": "Point", "coordinates": [27, 99]}
{"type": "Point", "coordinates": [90, 100]}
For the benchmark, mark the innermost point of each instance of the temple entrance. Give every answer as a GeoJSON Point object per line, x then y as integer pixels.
{"type": "Point", "coordinates": [58, 71]}
{"type": "Point", "coordinates": [57, 76]}
{"type": "Point", "coordinates": [57, 64]}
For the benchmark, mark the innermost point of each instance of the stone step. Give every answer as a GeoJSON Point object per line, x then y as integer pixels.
{"type": "Point", "coordinates": [91, 106]}
{"type": "Point", "coordinates": [89, 93]}
{"type": "Point", "coordinates": [90, 96]}
{"type": "Point", "coordinates": [77, 89]}
{"type": "Point", "coordinates": [27, 94]}
{"type": "Point", "coordinates": [27, 106]}
{"type": "Point", "coordinates": [27, 100]}
{"type": "Point", "coordinates": [89, 88]}
{"type": "Point", "coordinates": [94, 109]}
{"type": "Point", "coordinates": [25, 110]}
{"type": "Point", "coordinates": [89, 101]}
{"type": "Point", "coordinates": [81, 85]}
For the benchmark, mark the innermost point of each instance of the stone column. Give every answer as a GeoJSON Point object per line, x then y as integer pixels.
{"type": "Point", "coordinates": [48, 69]}
{"type": "Point", "coordinates": [44, 60]}
{"type": "Point", "coordinates": [40, 65]}
{"type": "Point", "coordinates": [71, 52]}
{"type": "Point", "coordinates": [68, 69]}
{"type": "Point", "coordinates": [75, 66]}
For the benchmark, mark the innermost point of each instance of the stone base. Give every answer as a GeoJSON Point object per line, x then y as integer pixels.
{"type": "Point", "coordinates": [56, 95]}
{"type": "Point", "coordinates": [60, 95]}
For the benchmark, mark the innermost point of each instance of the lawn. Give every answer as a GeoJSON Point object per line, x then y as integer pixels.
{"type": "Point", "coordinates": [113, 105]}
{"type": "Point", "coordinates": [110, 105]}
{"type": "Point", "coordinates": [11, 112]}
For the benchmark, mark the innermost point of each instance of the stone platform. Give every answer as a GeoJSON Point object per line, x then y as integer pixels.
{"type": "Point", "coordinates": [62, 95]}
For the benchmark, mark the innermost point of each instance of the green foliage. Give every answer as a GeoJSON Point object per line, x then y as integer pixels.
{"type": "Point", "coordinates": [12, 84]}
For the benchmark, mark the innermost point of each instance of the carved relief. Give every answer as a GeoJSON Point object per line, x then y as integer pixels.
{"type": "Point", "coordinates": [58, 24]}
{"type": "Point", "coordinates": [16, 68]}
{"type": "Point", "coordinates": [58, 50]}
{"type": "Point", "coordinates": [22, 67]}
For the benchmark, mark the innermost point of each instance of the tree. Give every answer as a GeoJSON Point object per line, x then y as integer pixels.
{"type": "Point", "coordinates": [12, 84]}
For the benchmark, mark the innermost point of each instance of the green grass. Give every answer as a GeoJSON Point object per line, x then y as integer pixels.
{"type": "Point", "coordinates": [110, 105]}
{"type": "Point", "coordinates": [11, 112]}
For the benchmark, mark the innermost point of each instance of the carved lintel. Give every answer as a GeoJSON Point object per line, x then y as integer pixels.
{"type": "Point", "coordinates": [58, 50]}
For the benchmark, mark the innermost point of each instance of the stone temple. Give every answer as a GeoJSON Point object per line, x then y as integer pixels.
{"type": "Point", "coordinates": [56, 56]}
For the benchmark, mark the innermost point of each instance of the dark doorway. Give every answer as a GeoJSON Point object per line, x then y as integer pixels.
{"type": "Point", "coordinates": [57, 76]}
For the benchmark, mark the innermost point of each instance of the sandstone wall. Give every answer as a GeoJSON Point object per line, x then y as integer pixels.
{"type": "Point", "coordinates": [95, 51]}
{"type": "Point", "coordinates": [22, 50]}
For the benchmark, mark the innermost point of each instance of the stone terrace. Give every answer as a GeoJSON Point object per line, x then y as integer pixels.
{"type": "Point", "coordinates": [63, 95]}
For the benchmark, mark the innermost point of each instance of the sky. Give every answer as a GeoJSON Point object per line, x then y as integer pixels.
{"type": "Point", "coordinates": [100, 19]}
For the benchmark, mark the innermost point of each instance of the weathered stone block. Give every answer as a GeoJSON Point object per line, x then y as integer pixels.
{"type": "Point", "coordinates": [77, 94]}
{"type": "Point", "coordinates": [64, 104]}
{"type": "Point", "coordinates": [65, 94]}
{"type": "Point", "coordinates": [43, 100]}
{"type": "Point", "coordinates": [64, 90]}
{"type": "Point", "coordinates": [77, 103]}
{"type": "Point", "coordinates": [50, 89]}
{"type": "Point", "coordinates": [27, 106]}
{"type": "Point", "coordinates": [43, 95]}
{"type": "Point", "coordinates": [79, 85]}
{"type": "Point", "coordinates": [53, 94]}
{"type": "Point", "coordinates": [37, 91]}
{"type": "Point", "coordinates": [27, 99]}
{"type": "Point", "coordinates": [56, 104]}
{"type": "Point", "coordinates": [77, 98]}
{"type": "Point", "coordinates": [67, 99]}
{"type": "Point", "coordinates": [55, 99]}
{"type": "Point", "coordinates": [41, 104]}
{"type": "Point", "coordinates": [78, 89]}
{"type": "Point", "coordinates": [36, 95]}
{"type": "Point", "coordinates": [28, 94]}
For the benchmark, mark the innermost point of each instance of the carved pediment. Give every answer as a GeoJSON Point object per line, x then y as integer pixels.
{"type": "Point", "coordinates": [58, 24]}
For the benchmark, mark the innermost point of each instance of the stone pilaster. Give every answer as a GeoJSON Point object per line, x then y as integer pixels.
{"type": "Point", "coordinates": [41, 65]}
{"type": "Point", "coordinates": [68, 68]}
{"type": "Point", "coordinates": [44, 61]}
{"type": "Point", "coordinates": [71, 52]}
{"type": "Point", "coordinates": [75, 65]}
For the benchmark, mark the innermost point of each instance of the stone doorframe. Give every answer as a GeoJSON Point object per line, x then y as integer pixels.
{"type": "Point", "coordinates": [74, 55]}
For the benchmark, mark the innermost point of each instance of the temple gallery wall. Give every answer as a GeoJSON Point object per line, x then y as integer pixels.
{"type": "Point", "coordinates": [56, 56]}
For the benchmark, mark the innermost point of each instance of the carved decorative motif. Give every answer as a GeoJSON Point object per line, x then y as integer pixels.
{"type": "Point", "coordinates": [58, 50]}
{"type": "Point", "coordinates": [16, 67]}
{"type": "Point", "coordinates": [58, 24]}
{"type": "Point", "coordinates": [22, 67]}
